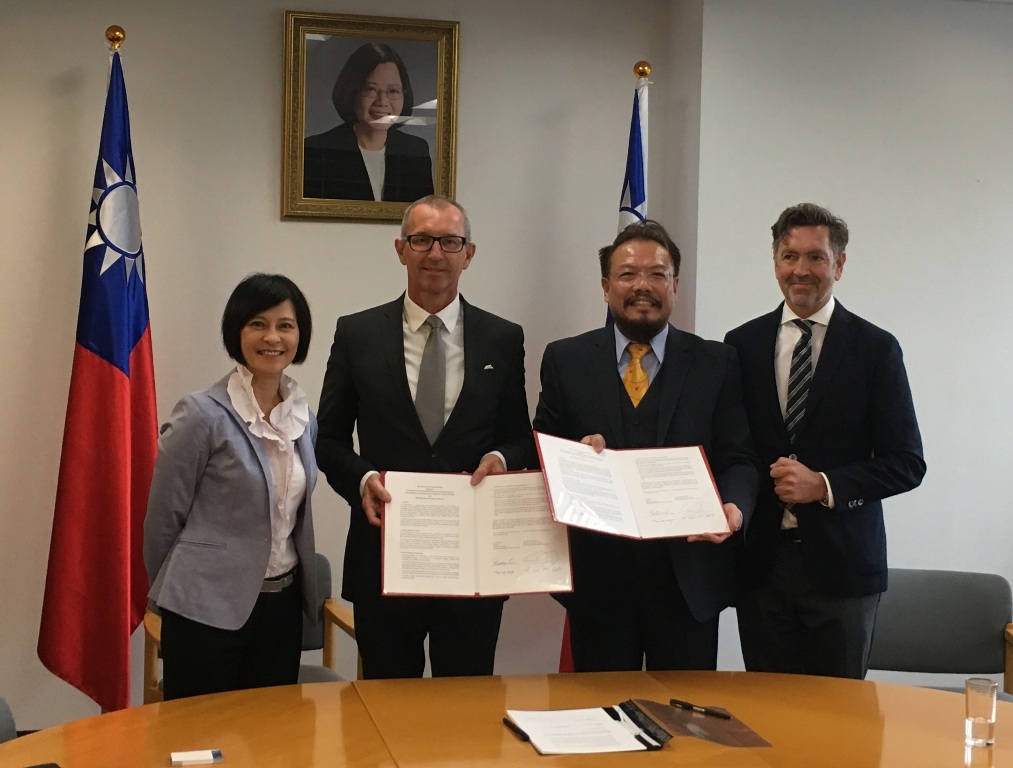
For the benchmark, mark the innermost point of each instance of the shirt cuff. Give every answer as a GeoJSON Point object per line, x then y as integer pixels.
{"type": "Point", "coordinates": [365, 477]}
{"type": "Point", "coordinates": [501, 458]}
{"type": "Point", "coordinates": [828, 500]}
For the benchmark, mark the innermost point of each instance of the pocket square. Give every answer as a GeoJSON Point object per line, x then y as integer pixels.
{"type": "Point", "coordinates": [488, 367]}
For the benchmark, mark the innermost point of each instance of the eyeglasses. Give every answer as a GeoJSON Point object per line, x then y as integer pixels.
{"type": "Point", "coordinates": [655, 277]}
{"type": "Point", "coordinates": [448, 243]}
{"type": "Point", "coordinates": [370, 92]}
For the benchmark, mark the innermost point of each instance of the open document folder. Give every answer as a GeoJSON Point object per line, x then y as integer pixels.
{"type": "Point", "coordinates": [444, 536]}
{"type": "Point", "coordinates": [643, 493]}
{"type": "Point", "coordinates": [621, 728]}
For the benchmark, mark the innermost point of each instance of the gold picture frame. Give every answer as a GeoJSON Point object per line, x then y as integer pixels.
{"type": "Point", "coordinates": [352, 65]}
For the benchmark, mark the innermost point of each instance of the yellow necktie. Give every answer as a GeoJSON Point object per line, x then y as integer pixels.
{"type": "Point", "coordinates": [635, 379]}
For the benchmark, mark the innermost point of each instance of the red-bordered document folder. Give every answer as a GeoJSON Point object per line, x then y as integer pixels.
{"type": "Point", "coordinates": [640, 493]}
{"type": "Point", "coordinates": [444, 537]}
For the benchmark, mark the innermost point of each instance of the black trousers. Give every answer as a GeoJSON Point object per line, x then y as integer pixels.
{"type": "Point", "coordinates": [787, 624]}
{"type": "Point", "coordinates": [462, 631]}
{"type": "Point", "coordinates": [632, 615]}
{"type": "Point", "coordinates": [198, 658]}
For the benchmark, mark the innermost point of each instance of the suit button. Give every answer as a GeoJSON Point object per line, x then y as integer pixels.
{"type": "Point", "coordinates": [432, 455]}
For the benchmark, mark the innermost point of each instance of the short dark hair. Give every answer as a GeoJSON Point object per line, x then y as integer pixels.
{"type": "Point", "coordinates": [255, 294]}
{"type": "Point", "coordinates": [811, 215]}
{"type": "Point", "coordinates": [353, 76]}
{"type": "Point", "coordinates": [648, 229]}
{"type": "Point", "coordinates": [439, 202]}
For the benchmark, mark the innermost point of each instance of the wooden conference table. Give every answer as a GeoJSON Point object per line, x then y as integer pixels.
{"type": "Point", "coordinates": [809, 721]}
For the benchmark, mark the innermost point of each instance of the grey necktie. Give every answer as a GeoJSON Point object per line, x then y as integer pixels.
{"type": "Point", "coordinates": [431, 393]}
{"type": "Point", "coordinates": [799, 376]}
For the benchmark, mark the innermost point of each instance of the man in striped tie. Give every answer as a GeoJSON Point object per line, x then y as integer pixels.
{"type": "Point", "coordinates": [831, 412]}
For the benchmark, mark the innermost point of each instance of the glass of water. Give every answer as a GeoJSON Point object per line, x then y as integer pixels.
{"type": "Point", "coordinates": [979, 710]}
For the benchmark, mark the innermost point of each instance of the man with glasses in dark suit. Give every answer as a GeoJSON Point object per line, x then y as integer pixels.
{"type": "Point", "coordinates": [429, 383]}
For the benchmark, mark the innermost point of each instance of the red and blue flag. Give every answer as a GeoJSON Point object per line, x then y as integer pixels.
{"type": "Point", "coordinates": [96, 584]}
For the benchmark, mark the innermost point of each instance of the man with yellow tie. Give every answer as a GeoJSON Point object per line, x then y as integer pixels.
{"type": "Point", "coordinates": [636, 383]}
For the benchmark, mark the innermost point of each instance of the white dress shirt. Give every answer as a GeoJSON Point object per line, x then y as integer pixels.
{"type": "Point", "coordinates": [787, 337]}
{"type": "Point", "coordinates": [416, 333]}
{"type": "Point", "coordinates": [277, 436]}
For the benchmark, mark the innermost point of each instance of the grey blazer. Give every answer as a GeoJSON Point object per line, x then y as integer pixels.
{"type": "Point", "coordinates": [207, 533]}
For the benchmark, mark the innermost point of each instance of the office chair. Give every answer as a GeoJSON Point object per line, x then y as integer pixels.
{"type": "Point", "coordinates": [316, 635]}
{"type": "Point", "coordinates": [7, 729]}
{"type": "Point", "coordinates": [945, 621]}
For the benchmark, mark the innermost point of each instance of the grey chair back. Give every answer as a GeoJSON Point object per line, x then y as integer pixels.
{"type": "Point", "coordinates": [7, 729]}
{"type": "Point", "coordinates": [313, 631]}
{"type": "Point", "coordinates": [942, 621]}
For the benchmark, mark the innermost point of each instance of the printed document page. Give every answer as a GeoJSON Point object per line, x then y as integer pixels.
{"type": "Point", "coordinates": [530, 551]}
{"type": "Point", "coordinates": [641, 493]}
{"type": "Point", "coordinates": [429, 534]}
{"type": "Point", "coordinates": [443, 536]}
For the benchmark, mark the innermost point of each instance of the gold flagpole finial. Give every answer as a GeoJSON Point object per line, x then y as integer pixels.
{"type": "Point", "coordinates": [642, 69]}
{"type": "Point", "coordinates": [115, 35]}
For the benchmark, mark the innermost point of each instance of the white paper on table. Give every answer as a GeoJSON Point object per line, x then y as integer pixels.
{"type": "Point", "coordinates": [576, 731]}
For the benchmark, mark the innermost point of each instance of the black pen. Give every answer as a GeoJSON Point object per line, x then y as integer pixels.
{"type": "Point", "coordinates": [677, 703]}
{"type": "Point", "coordinates": [516, 729]}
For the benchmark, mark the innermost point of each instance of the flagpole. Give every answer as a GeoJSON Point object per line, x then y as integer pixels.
{"type": "Point", "coordinates": [642, 71]}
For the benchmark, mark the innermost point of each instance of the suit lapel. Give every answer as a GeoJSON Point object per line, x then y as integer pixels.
{"type": "Point", "coordinates": [835, 348]}
{"type": "Point", "coordinates": [474, 361]}
{"type": "Point", "coordinates": [392, 340]}
{"type": "Point", "coordinates": [603, 371]}
{"type": "Point", "coordinates": [675, 368]}
{"type": "Point", "coordinates": [767, 385]}
{"type": "Point", "coordinates": [220, 394]}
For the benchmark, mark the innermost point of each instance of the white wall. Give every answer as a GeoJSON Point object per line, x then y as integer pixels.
{"type": "Point", "coordinates": [545, 93]}
{"type": "Point", "coordinates": [895, 114]}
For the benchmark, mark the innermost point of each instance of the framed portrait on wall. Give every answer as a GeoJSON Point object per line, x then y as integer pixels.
{"type": "Point", "coordinates": [370, 115]}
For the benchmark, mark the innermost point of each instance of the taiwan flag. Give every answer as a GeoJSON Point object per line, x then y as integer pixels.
{"type": "Point", "coordinates": [96, 584]}
{"type": "Point", "coordinates": [633, 198]}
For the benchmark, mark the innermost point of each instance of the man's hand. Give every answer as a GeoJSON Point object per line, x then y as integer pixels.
{"type": "Point", "coordinates": [374, 496]}
{"type": "Point", "coordinates": [595, 441]}
{"type": "Point", "coordinates": [490, 464]}
{"type": "Point", "coordinates": [795, 483]}
{"type": "Point", "coordinates": [734, 517]}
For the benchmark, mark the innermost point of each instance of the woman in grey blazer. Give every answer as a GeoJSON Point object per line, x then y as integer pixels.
{"type": "Point", "coordinates": [228, 536]}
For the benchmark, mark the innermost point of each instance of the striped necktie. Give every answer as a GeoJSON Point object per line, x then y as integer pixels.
{"type": "Point", "coordinates": [799, 376]}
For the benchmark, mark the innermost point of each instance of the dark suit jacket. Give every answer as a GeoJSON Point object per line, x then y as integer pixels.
{"type": "Point", "coordinates": [333, 168]}
{"type": "Point", "coordinates": [701, 404]}
{"type": "Point", "coordinates": [859, 428]}
{"type": "Point", "coordinates": [366, 388]}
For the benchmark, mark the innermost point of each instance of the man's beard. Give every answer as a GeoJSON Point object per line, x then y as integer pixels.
{"type": "Point", "coordinates": [640, 331]}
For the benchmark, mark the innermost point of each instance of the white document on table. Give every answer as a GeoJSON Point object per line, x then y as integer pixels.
{"type": "Point", "coordinates": [443, 536]}
{"type": "Point", "coordinates": [581, 731]}
{"type": "Point", "coordinates": [643, 493]}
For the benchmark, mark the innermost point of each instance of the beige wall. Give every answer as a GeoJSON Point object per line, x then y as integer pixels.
{"type": "Point", "coordinates": [545, 92]}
